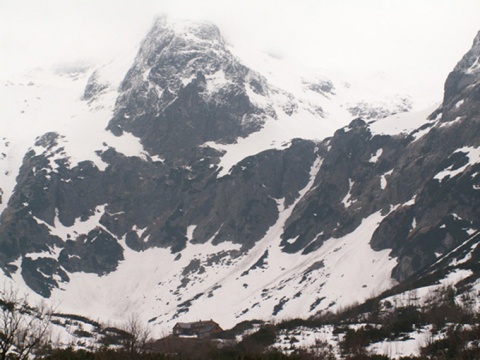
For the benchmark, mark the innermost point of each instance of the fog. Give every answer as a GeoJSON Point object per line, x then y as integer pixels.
{"type": "Point", "coordinates": [416, 41]}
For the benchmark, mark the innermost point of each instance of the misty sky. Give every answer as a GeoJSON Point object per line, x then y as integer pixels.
{"type": "Point", "coordinates": [421, 38]}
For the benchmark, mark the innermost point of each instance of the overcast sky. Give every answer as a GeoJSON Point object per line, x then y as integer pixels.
{"type": "Point", "coordinates": [423, 38]}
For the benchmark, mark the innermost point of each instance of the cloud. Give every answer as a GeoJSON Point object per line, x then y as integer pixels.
{"type": "Point", "coordinates": [424, 38]}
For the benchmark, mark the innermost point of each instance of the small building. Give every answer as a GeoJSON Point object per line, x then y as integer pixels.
{"type": "Point", "coordinates": [200, 329]}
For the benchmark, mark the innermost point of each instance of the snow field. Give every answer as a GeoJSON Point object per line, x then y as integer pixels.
{"type": "Point", "coordinates": [222, 291]}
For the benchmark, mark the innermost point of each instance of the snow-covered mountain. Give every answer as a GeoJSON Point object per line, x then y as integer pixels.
{"type": "Point", "coordinates": [182, 183]}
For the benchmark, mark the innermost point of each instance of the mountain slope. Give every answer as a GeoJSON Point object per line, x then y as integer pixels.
{"type": "Point", "coordinates": [195, 187]}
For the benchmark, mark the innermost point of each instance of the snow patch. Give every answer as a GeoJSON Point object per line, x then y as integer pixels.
{"type": "Point", "coordinates": [346, 200]}
{"type": "Point", "coordinates": [377, 155]}
{"type": "Point", "coordinates": [402, 123]}
{"type": "Point", "coordinates": [79, 227]}
{"type": "Point", "coordinates": [473, 154]}
{"type": "Point", "coordinates": [459, 103]}
{"type": "Point", "coordinates": [383, 179]}
{"type": "Point", "coordinates": [216, 81]}
{"type": "Point", "coordinates": [474, 67]}
{"type": "Point", "coordinates": [139, 231]}
{"type": "Point", "coordinates": [190, 230]}
{"type": "Point", "coordinates": [275, 134]}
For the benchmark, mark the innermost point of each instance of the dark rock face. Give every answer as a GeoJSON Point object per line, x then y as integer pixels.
{"type": "Point", "coordinates": [185, 88]}
{"type": "Point", "coordinates": [347, 187]}
{"type": "Point", "coordinates": [376, 111]}
{"type": "Point", "coordinates": [94, 87]}
{"type": "Point", "coordinates": [324, 87]}
{"type": "Point", "coordinates": [464, 77]}
{"type": "Point", "coordinates": [443, 212]}
{"type": "Point", "coordinates": [158, 197]}
{"type": "Point", "coordinates": [97, 252]}
{"type": "Point", "coordinates": [40, 274]}
{"type": "Point", "coordinates": [244, 202]}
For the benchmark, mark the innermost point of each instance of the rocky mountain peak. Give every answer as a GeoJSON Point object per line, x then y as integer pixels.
{"type": "Point", "coordinates": [188, 66]}
{"type": "Point", "coordinates": [476, 41]}
{"type": "Point", "coordinates": [464, 77]}
{"type": "Point", "coordinates": [470, 62]}
{"type": "Point", "coordinates": [171, 54]}
{"type": "Point", "coordinates": [202, 30]}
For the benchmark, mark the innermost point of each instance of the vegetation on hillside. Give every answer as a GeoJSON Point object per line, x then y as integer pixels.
{"type": "Point", "coordinates": [452, 322]}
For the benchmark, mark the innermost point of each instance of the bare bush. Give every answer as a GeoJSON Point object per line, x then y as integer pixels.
{"type": "Point", "coordinates": [137, 335]}
{"type": "Point", "coordinates": [24, 330]}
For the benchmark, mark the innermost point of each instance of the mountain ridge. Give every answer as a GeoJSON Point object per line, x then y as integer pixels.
{"type": "Point", "coordinates": [292, 227]}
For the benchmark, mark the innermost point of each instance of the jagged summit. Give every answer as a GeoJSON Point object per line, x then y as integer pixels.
{"type": "Point", "coordinates": [470, 63]}
{"type": "Point", "coordinates": [464, 80]}
{"type": "Point", "coordinates": [184, 65]}
{"type": "Point", "coordinates": [172, 54]}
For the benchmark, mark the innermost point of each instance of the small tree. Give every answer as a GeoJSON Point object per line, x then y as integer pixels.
{"type": "Point", "coordinates": [322, 350]}
{"type": "Point", "coordinates": [137, 336]}
{"type": "Point", "coordinates": [24, 330]}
